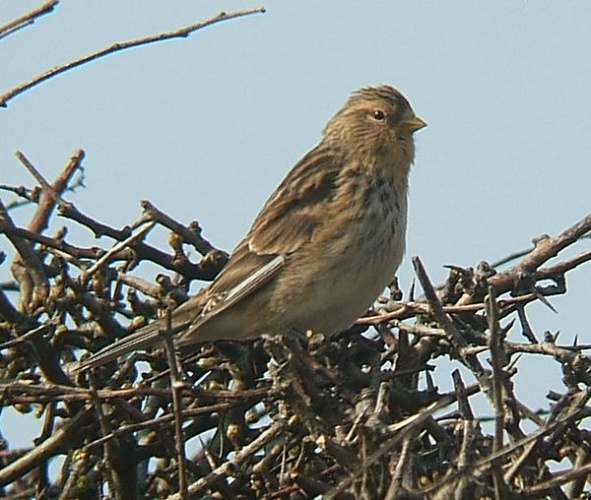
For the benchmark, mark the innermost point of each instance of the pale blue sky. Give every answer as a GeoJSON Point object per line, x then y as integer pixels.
{"type": "Point", "coordinates": [207, 126]}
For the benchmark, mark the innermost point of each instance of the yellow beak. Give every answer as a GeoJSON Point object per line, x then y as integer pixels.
{"type": "Point", "coordinates": [414, 123]}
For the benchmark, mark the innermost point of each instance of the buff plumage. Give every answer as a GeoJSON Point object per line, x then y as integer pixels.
{"type": "Point", "coordinates": [324, 245]}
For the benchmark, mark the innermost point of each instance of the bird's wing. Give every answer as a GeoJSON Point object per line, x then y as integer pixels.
{"type": "Point", "coordinates": [298, 206]}
{"type": "Point", "coordinates": [287, 221]}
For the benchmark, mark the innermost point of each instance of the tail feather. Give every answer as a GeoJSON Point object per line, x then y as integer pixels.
{"type": "Point", "coordinates": [148, 336]}
{"type": "Point", "coordinates": [143, 338]}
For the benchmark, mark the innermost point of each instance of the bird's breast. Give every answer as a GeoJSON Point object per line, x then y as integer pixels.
{"type": "Point", "coordinates": [350, 260]}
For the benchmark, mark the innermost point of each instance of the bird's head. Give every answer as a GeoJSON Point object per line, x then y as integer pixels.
{"type": "Point", "coordinates": [378, 121]}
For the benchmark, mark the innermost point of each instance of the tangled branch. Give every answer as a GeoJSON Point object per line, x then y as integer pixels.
{"type": "Point", "coordinates": [346, 417]}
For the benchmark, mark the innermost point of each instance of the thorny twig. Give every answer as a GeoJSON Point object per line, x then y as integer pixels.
{"type": "Point", "coordinates": [347, 417]}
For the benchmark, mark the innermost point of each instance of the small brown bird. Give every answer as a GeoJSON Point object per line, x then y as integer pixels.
{"type": "Point", "coordinates": [324, 245]}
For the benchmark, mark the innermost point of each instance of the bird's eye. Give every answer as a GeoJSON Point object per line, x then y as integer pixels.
{"type": "Point", "coordinates": [379, 115]}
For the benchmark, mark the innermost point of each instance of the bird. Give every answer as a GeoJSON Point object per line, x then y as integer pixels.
{"type": "Point", "coordinates": [323, 247]}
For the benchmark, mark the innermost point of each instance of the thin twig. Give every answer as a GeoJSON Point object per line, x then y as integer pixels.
{"type": "Point", "coordinates": [201, 245]}
{"type": "Point", "coordinates": [177, 386]}
{"type": "Point", "coordinates": [249, 450]}
{"type": "Point", "coordinates": [27, 19]}
{"type": "Point", "coordinates": [498, 363]}
{"type": "Point", "coordinates": [454, 336]}
{"type": "Point", "coordinates": [121, 46]}
{"type": "Point", "coordinates": [137, 236]}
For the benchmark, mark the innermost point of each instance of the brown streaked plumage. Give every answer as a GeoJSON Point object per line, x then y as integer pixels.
{"type": "Point", "coordinates": [324, 245]}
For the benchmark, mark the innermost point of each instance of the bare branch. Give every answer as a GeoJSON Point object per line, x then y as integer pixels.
{"type": "Point", "coordinates": [126, 45]}
{"type": "Point", "coordinates": [27, 19]}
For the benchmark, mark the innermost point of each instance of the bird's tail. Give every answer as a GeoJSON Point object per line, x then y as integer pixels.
{"type": "Point", "coordinates": [182, 317]}
{"type": "Point", "coordinates": [143, 338]}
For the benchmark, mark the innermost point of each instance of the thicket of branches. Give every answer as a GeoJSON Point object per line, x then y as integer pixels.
{"type": "Point", "coordinates": [356, 416]}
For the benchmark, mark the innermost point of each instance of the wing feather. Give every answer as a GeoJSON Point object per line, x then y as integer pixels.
{"type": "Point", "coordinates": [287, 221]}
{"type": "Point", "coordinates": [296, 209]}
